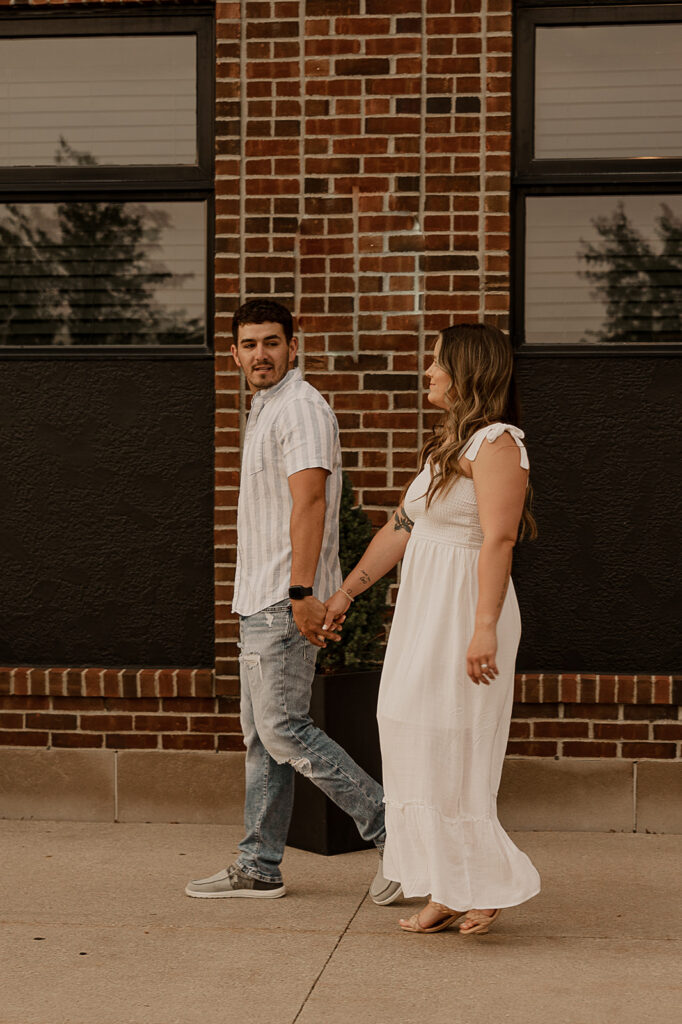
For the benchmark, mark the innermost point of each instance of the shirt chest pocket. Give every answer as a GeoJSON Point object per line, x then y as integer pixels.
{"type": "Point", "coordinates": [254, 459]}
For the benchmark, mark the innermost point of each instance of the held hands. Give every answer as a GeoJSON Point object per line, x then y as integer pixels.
{"type": "Point", "coordinates": [481, 655]}
{"type": "Point", "coordinates": [310, 616]}
{"type": "Point", "coordinates": [337, 606]}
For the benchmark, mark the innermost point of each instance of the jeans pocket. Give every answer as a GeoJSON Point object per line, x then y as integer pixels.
{"type": "Point", "coordinates": [290, 629]}
{"type": "Point", "coordinates": [309, 652]}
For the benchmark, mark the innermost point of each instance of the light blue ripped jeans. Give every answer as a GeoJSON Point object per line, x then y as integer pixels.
{"type": "Point", "coordinates": [277, 666]}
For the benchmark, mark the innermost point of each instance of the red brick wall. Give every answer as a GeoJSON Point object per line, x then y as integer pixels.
{"type": "Point", "coordinates": [362, 176]}
{"type": "Point", "coordinates": [554, 715]}
{"type": "Point", "coordinates": [373, 196]}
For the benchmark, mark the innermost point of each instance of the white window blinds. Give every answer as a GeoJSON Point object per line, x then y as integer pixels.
{"type": "Point", "coordinates": [103, 273]}
{"type": "Point", "coordinates": [608, 91]}
{"type": "Point", "coordinates": [603, 269]}
{"type": "Point", "coordinates": [116, 100]}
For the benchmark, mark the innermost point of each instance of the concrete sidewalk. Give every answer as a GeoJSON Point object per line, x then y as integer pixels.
{"type": "Point", "coordinates": [96, 930]}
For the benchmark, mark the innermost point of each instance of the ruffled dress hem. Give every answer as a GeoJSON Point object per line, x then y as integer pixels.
{"type": "Point", "coordinates": [465, 863]}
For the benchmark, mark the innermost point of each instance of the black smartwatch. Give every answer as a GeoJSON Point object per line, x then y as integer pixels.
{"type": "Point", "coordinates": [298, 593]}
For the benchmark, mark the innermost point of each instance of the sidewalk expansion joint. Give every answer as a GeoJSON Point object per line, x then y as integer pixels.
{"type": "Point", "coordinates": [329, 958]}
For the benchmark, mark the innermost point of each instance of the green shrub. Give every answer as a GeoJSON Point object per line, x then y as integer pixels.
{"type": "Point", "coordinates": [363, 634]}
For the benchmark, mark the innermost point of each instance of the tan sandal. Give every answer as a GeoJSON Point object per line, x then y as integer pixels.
{"type": "Point", "coordinates": [481, 922]}
{"type": "Point", "coordinates": [413, 925]}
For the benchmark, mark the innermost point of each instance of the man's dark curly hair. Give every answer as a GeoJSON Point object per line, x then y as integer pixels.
{"type": "Point", "coordinates": [263, 311]}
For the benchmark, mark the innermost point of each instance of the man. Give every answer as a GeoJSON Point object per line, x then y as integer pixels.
{"type": "Point", "coordinates": [287, 564]}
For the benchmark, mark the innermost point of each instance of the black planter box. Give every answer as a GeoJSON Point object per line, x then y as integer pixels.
{"type": "Point", "coordinates": [345, 706]}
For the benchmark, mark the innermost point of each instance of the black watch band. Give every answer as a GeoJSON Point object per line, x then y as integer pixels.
{"type": "Point", "coordinates": [298, 593]}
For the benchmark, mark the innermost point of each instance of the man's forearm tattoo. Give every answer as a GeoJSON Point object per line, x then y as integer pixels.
{"type": "Point", "coordinates": [401, 520]}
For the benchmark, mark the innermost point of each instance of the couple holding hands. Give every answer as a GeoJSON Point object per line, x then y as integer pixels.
{"type": "Point", "coordinates": [447, 682]}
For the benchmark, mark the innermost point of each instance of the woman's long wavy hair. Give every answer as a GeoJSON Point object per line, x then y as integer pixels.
{"type": "Point", "coordinates": [479, 361]}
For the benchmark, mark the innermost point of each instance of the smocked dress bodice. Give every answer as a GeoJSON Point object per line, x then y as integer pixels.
{"type": "Point", "coordinates": [452, 518]}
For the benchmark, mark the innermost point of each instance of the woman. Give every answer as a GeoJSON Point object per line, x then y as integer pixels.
{"type": "Point", "coordinates": [448, 677]}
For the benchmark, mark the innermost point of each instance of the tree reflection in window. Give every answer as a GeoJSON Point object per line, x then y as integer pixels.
{"type": "Point", "coordinates": [641, 287]}
{"type": "Point", "coordinates": [90, 273]}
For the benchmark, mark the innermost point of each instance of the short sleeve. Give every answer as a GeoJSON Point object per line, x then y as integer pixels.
{"type": "Point", "coordinates": [490, 434]}
{"type": "Point", "coordinates": [308, 435]}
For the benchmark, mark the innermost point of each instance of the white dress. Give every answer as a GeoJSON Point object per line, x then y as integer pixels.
{"type": "Point", "coordinates": [443, 737]}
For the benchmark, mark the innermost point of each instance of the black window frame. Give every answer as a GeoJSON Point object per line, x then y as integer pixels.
{"type": "Point", "coordinates": [143, 182]}
{"type": "Point", "coordinates": [574, 176]}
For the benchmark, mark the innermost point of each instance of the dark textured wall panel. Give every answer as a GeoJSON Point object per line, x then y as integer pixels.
{"type": "Point", "coordinates": [106, 483]}
{"type": "Point", "coordinates": [600, 589]}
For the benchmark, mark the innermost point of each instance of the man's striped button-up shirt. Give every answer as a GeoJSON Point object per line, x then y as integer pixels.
{"type": "Point", "coordinates": [290, 428]}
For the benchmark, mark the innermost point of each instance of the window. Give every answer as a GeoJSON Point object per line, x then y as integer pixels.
{"type": "Point", "coordinates": [598, 177]}
{"type": "Point", "coordinates": [106, 182]}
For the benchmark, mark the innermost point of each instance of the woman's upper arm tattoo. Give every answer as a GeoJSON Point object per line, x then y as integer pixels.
{"type": "Point", "coordinates": [401, 520]}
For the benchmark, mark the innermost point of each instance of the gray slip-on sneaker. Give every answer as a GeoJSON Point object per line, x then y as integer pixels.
{"type": "Point", "coordinates": [231, 882]}
{"type": "Point", "coordinates": [382, 890]}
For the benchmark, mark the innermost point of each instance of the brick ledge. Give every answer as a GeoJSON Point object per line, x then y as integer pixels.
{"type": "Point", "coordinates": [529, 688]}
{"type": "Point", "coordinates": [107, 682]}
